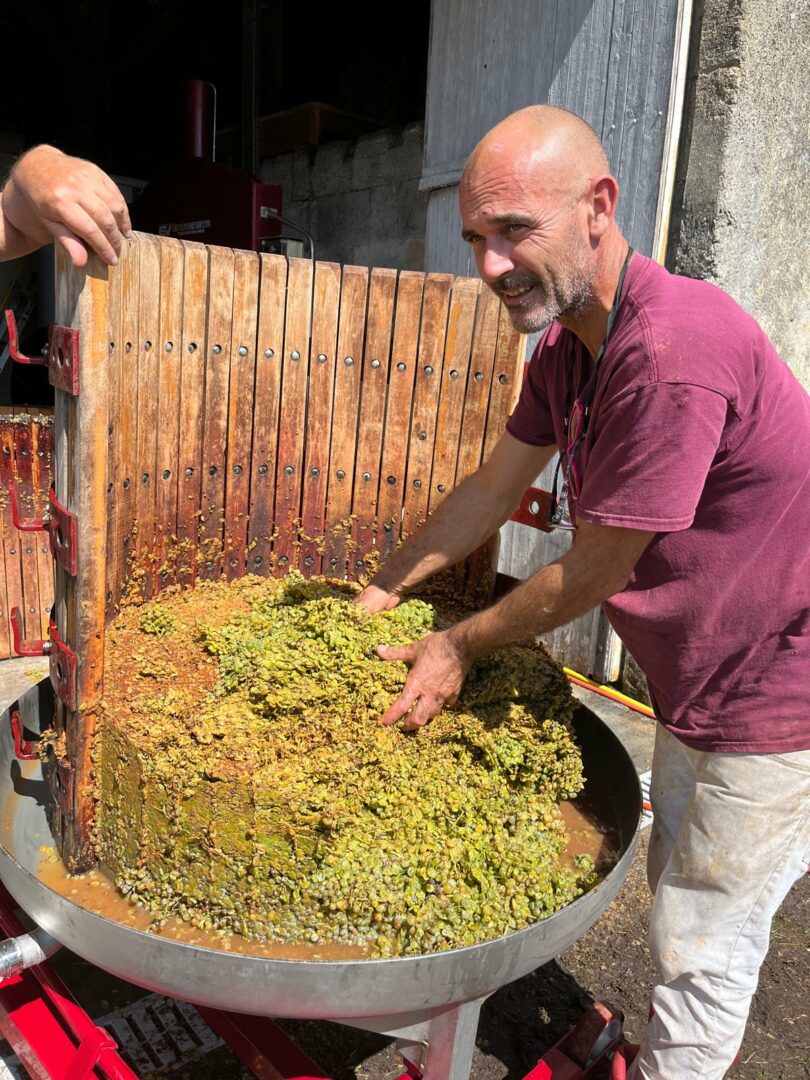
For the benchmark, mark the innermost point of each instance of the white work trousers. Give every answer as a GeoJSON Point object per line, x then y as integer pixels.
{"type": "Point", "coordinates": [730, 836]}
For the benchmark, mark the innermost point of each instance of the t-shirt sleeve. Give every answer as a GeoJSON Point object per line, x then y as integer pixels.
{"type": "Point", "coordinates": [530, 421]}
{"type": "Point", "coordinates": [651, 453]}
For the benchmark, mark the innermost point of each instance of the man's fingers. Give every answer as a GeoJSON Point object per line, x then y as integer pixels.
{"type": "Point", "coordinates": [400, 707]}
{"type": "Point", "coordinates": [425, 709]}
{"type": "Point", "coordinates": [397, 652]}
{"type": "Point", "coordinates": [76, 250]}
{"type": "Point", "coordinates": [112, 196]}
{"type": "Point", "coordinates": [78, 222]}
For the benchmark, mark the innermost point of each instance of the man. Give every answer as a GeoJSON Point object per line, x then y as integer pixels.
{"type": "Point", "coordinates": [52, 196]}
{"type": "Point", "coordinates": [685, 470]}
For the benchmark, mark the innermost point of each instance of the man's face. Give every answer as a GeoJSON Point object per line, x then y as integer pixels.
{"type": "Point", "coordinates": [531, 248]}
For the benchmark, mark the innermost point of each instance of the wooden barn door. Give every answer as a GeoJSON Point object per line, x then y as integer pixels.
{"type": "Point", "coordinates": [617, 63]}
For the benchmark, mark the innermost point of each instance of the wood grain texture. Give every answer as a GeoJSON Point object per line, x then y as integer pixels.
{"type": "Point", "coordinates": [215, 422]}
{"type": "Point", "coordinates": [326, 307]}
{"type": "Point", "coordinates": [454, 378]}
{"type": "Point", "coordinates": [402, 371]}
{"type": "Point", "coordinates": [193, 349]}
{"type": "Point", "coordinates": [351, 337]}
{"type": "Point", "coordinates": [240, 409]}
{"type": "Point", "coordinates": [169, 359]}
{"type": "Point", "coordinates": [428, 377]}
{"type": "Point", "coordinates": [12, 595]}
{"type": "Point", "coordinates": [292, 430]}
{"type": "Point", "coordinates": [147, 417]}
{"type": "Point", "coordinates": [84, 303]}
{"type": "Point", "coordinates": [375, 378]}
{"type": "Point", "coordinates": [126, 475]}
{"type": "Point", "coordinates": [264, 458]}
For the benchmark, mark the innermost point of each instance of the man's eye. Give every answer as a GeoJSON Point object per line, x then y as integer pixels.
{"type": "Point", "coordinates": [515, 226]}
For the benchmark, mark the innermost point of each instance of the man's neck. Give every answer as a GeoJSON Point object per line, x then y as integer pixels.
{"type": "Point", "coordinates": [589, 324]}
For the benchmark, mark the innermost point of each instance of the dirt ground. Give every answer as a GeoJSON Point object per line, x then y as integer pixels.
{"type": "Point", "coordinates": [612, 963]}
{"type": "Point", "coordinates": [520, 1022]}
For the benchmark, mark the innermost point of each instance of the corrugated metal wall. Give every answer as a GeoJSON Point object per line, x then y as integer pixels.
{"type": "Point", "coordinates": [611, 62]}
{"type": "Point", "coordinates": [608, 60]}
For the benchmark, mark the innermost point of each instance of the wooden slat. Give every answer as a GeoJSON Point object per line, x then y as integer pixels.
{"type": "Point", "coordinates": [192, 397]}
{"type": "Point", "coordinates": [42, 462]}
{"type": "Point", "coordinates": [215, 422]}
{"type": "Point", "coordinates": [376, 369]}
{"type": "Point", "coordinates": [126, 477]}
{"type": "Point", "coordinates": [351, 335]}
{"type": "Point", "coordinates": [115, 365]}
{"type": "Point", "coordinates": [267, 393]}
{"type": "Point", "coordinates": [240, 409]}
{"type": "Point", "coordinates": [68, 289]}
{"type": "Point", "coordinates": [458, 346]}
{"type": "Point", "coordinates": [26, 541]}
{"type": "Point", "coordinates": [169, 358]}
{"type": "Point", "coordinates": [425, 399]}
{"type": "Point", "coordinates": [148, 371]}
{"type": "Point", "coordinates": [293, 412]}
{"type": "Point", "coordinates": [323, 358]}
{"type": "Point", "coordinates": [482, 360]}
{"type": "Point", "coordinates": [12, 596]}
{"type": "Point", "coordinates": [398, 409]}
{"type": "Point", "coordinates": [82, 301]}
{"type": "Point", "coordinates": [506, 380]}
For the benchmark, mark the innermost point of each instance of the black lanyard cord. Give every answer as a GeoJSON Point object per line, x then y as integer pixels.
{"type": "Point", "coordinates": [589, 391]}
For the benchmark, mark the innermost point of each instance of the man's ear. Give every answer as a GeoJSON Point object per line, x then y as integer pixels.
{"type": "Point", "coordinates": [604, 198]}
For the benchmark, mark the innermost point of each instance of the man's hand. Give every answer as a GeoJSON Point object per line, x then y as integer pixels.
{"type": "Point", "coordinates": [438, 670]}
{"type": "Point", "coordinates": [375, 599]}
{"type": "Point", "coordinates": [51, 196]}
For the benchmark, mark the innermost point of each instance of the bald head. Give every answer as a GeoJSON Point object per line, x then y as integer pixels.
{"type": "Point", "coordinates": [552, 147]}
{"type": "Point", "coordinates": [537, 205]}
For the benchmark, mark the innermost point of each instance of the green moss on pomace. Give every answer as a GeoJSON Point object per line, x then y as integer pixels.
{"type": "Point", "coordinates": [271, 802]}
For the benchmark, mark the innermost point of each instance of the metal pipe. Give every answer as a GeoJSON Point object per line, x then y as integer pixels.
{"type": "Point", "coordinates": [201, 111]}
{"type": "Point", "coordinates": [269, 212]}
{"type": "Point", "coordinates": [25, 951]}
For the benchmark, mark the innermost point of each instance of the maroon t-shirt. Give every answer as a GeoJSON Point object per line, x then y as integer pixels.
{"type": "Point", "coordinates": [700, 433]}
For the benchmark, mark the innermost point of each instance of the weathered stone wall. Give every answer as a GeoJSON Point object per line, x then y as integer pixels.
{"type": "Point", "coordinates": [745, 165]}
{"type": "Point", "coordinates": [359, 199]}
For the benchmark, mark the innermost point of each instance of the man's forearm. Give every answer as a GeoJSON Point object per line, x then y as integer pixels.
{"type": "Point", "coordinates": [13, 244]}
{"type": "Point", "coordinates": [534, 607]}
{"type": "Point", "coordinates": [596, 567]}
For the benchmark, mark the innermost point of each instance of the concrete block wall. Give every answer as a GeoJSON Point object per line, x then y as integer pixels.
{"type": "Point", "coordinates": [745, 165]}
{"type": "Point", "coordinates": [360, 199]}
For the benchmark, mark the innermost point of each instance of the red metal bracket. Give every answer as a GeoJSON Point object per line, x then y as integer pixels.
{"type": "Point", "coordinates": [62, 775]}
{"type": "Point", "coordinates": [23, 749]}
{"type": "Point", "coordinates": [62, 657]}
{"type": "Point", "coordinates": [22, 646]}
{"type": "Point", "coordinates": [24, 524]}
{"type": "Point", "coordinates": [586, 1049]}
{"type": "Point", "coordinates": [61, 524]}
{"type": "Point", "coordinates": [61, 357]}
{"type": "Point", "coordinates": [533, 509]}
{"type": "Point", "coordinates": [63, 666]}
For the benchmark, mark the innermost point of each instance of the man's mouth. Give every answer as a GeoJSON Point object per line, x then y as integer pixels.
{"type": "Point", "coordinates": [512, 296]}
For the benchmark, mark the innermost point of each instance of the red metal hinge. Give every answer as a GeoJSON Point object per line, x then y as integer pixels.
{"type": "Point", "coordinates": [61, 356]}
{"type": "Point", "coordinates": [61, 782]}
{"type": "Point", "coordinates": [533, 509]}
{"type": "Point", "coordinates": [61, 656]}
{"type": "Point", "coordinates": [23, 749]}
{"type": "Point", "coordinates": [61, 524]}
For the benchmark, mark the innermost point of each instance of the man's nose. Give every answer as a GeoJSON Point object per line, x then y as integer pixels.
{"type": "Point", "coordinates": [496, 261]}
